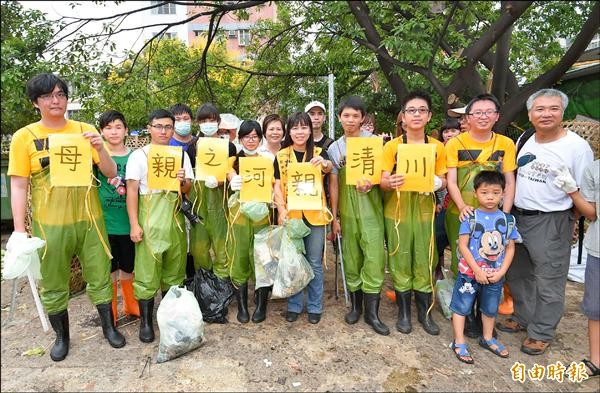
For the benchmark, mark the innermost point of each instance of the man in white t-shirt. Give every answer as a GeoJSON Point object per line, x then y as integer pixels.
{"type": "Point", "coordinates": [157, 225]}
{"type": "Point", "coordinates": [544, 215]}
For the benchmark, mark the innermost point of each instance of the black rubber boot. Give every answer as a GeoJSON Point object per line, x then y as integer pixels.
{"type": "Point", "coordinates": [262, 299]}
{"type": "Point", "coordinates": [357, 306]}
{"type": "Point", "coordinates": [423, 301]}
{"type": "Point", "coordinates": [60, 324]}
{"type": "Point", "coordinates": [146, 328]}
{"type": "Point", "coordinates": [372, 314]}
{"type": "Point", "coordinates": [115, 339]}
{"type": "Point", "coordinates": [403, 300]}
{"type": "Point", "coordinates": [241, 295]}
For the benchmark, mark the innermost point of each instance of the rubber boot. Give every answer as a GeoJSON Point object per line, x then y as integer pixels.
{"type": "Point", "coordinates": [60, 324]}
{"type": "Point", "coordinates": [241, 295]}
{"type": "Point", "coordinates": [506, 307]}
{"type": "Point", "coordinates": [262, 298]}
{"type": "Point", "coordinates": [423, 301]}
{"type": "Point", "coordinates": [115, 339]}
{"type": "Point", "coordinates": [403, 300]}
{"type": "Point", "coordinates": [130, 305]}
{"type": "Point", "coordinates": [372, 314]}
{"type": "Point", "coordinates": [146, 328]}
{"type": "Point", "coordinates": [114, 302]}
{"type": "Point", "coordinates": [357, 306]}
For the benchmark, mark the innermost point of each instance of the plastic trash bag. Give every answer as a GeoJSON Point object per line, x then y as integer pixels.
{"type": "Point", "coordinates": [443, 292]}
{"type": "Point", "coordinates": [267, 246]}
{"type": "Point", "coordinates": [297, 230]}
{"type": "Point", "coordinates": [255, 211]}
{"type": "Point", "coordinates": [180, 323]}
{"type": "Point", "coordinates": [293, 270]}
{"type": "Point", "coordinates": [213, 295]}
{"type": "Point", "coordinates": [23, 257]}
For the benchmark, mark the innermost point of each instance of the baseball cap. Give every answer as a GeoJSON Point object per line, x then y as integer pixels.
{"type": "Point", "coordinates": [457, 112]}
{"type": "Point", "coordinates": [313, 104]}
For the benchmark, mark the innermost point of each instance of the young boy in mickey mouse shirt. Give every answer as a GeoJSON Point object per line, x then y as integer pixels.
{"type": "Point", "coordinates": [486, 249]}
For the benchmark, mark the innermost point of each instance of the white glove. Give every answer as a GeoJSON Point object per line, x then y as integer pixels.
{"type": "Point", "coordinates": [564, 180]}
{"type": "Point", "coordinates": [15, 239]}
{"type": "Point", "coordinates": [211, 182]}
{"type": "Point", "coordinates": [236, 183]}
{"type": "Point", "coordinates": [437, 183]}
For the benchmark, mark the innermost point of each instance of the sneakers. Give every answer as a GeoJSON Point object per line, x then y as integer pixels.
{"type": "Point", "coordinates": [509, 325]}
{"type": "Point", "coordinates": [534, 347]}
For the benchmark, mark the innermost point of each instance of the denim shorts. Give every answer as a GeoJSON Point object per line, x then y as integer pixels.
{"type": "Point", "coordinates": [465, 291]}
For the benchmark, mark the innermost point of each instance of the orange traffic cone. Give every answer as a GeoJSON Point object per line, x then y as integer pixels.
{"type": "Point", "coordinates": [114, 302]}
{"type": "Point", "coordinates": [130, 304]}
{"type": "Point", "coordinates": [506, 307]}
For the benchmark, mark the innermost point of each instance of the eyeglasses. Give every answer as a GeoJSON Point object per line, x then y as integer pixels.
{"type": "Point", "coordinates": [250, 137]}
{"type": "Point", "coordinates": [480, 114]}
{"type": "Point", "coordinates": [160, 127]}
{"type": "Point", "coordinates": [61, 95]}
{"type": "Point", "coordinates": [413, 111]}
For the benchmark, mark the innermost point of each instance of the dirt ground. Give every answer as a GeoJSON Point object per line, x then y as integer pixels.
{"type": "Point", "coordinates": [276, 355]}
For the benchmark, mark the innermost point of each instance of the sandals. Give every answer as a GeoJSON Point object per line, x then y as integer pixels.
{"type": "Point", "coordinates": [462, 352]}
{"type": "Point", "coordinates": [595, 371]}
{"type": "Point", "coordinates": [487, 344]}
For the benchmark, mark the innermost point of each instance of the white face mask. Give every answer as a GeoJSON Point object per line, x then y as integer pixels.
{"type": "Point", "coordinates": [249, 152]}
{"type": "Point", "coordinates": [209, 129]}
{"type": "Point", "coordinates": [183, 128]}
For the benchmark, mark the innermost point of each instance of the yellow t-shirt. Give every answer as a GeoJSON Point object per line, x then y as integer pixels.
{"type": "Point", "coordinates": [29, 147]}
{"type": "Point", "coordinates": [390, 152]}
{"type": "Point", "coordinates": [463, 150]}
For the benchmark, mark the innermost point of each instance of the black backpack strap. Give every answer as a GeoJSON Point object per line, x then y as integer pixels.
{"type": "Point", "coordinates": [524, 138]}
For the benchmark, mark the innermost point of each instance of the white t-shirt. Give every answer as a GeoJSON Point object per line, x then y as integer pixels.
{"type": "Point", "coordinates": [534, 188]}
{"type": "Point", "coordinates": [590, 191]}
{"type": "Point", "coordinates": [137, 169]}
{"type": "Point", "coordinates": [264, 151]}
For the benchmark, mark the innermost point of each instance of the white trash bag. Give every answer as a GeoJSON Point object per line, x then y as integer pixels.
{"type": "Point", "coordinates": [180, 323]}
{"type": "Point", "coordinates": [22, 257]}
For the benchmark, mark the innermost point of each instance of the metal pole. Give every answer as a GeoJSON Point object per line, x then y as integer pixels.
{"type": "Point", "coordinates": [331, 105]}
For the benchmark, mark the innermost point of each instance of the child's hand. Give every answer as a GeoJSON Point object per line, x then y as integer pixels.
{"type": "Point", "coordinates": [481, 276]}
{"type": "Point", "coordinates": [494, 277]}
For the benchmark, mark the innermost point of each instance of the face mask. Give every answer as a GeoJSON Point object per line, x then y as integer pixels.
{"type": "Point", "coordinates": [183, 128]}
{"type": "Point", "coordinates": [209, 129]}
{"type": "Point", "coordinates": [249, 152]}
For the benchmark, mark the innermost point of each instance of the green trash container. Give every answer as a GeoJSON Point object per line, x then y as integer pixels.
{"type": "Point", "coordinates": [6, 213]}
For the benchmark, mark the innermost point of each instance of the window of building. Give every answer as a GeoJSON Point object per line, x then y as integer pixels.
{"type": "Point", "coordinates": [166, 35]}
{"type": "Point", "coordinates": [198, 33]}
{"type": "Point", "coordinates": [243, 37]}
{"type": "Point", "coordinates": [165, 9]}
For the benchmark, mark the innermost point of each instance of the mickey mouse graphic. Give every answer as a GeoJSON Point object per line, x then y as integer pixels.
{"type": "Point", "coordinates": [491, 244]}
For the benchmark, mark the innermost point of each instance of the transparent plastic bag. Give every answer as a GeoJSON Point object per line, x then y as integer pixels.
{"type": "Point", "coordinates": [296, 230]}
{"type": "Point", "coordinates": [24, 257]}
{"type": "Point", "coordinates": [293, 271]}
{"type": "Point", "coordinates": [267, 245]}
{"type": "Point", "coordinates": [180, 323]}
{"type": "Point", "coordinates": [443, 292]}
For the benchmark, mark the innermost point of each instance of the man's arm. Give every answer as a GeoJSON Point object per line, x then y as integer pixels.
{"type": "Point", "coordinates": [509, 191]}
{"type": "Point", "coordinates": [18, 201]}
{"type": "Point", "coordinates": [136, 233]}
{"type": "Point", "coordinates": [333, 200]}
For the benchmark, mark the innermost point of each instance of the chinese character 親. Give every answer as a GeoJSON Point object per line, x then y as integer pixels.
{"type": "Point", "coordinates": [164, 166]}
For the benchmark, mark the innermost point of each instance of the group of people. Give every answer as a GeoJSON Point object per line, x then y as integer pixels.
{"type": "Point", "coordinates": [497, 195]}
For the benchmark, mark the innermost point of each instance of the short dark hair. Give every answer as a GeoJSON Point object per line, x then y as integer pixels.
{"type": "Point", "coordinates": [489, 177]}
{"type": "Point", "coordinates": [109, 116]}
{"type": "Point", "coordinates": [449, 124]}
{"type": "Point", "coordinates": [303, 119]}
{"type": "Point", "coordinates": [354, 102]}
{"type": "Point", "coordinates": [160, 114]}
{"type": "Point", "coordinates": [179, 109]}
{"type": "Point", "coordinates": [44, 84]}
{"type": "Point", "coordinates": [247, 127]}
{"type": "Point", "coordinates": [417, 94]}
{"type": "Point", "coordinates": [270, 119]}
{"type": "Point", "coordinates": [483, 97]}
{"type": "Point", "coordinates": [208, 111]}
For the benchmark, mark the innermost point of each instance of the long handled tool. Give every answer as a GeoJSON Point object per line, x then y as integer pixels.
{"type": "Point", "coordinates": [339, 242]}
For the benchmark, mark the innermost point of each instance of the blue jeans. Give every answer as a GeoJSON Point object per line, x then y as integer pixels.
{"type": "Point", "coordinates": [465, 291]}
{"type": "Point", "coordinates": [314, 244]}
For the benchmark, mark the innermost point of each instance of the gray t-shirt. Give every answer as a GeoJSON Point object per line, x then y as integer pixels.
{"type": "Point", "coordinates": [590, 191]}
{"type": "Point", "coordinates": [337, 151]}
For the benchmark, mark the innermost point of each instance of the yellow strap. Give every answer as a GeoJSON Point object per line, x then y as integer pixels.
{"type": "Point", "coordinates": [431, 256]}
{"type": "Point", "coordinates": [396, 223]}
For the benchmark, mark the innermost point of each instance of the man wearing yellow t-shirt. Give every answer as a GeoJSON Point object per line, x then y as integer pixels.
{"type": "Point", "coordinates": [69, 219]}
{"type": "Point", "coordinates": [409, 216]}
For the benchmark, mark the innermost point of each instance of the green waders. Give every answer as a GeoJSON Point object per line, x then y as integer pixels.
{"type": "Point", "coordinates": [465, 176]}
{"type": "Point", "coordinates": [160, 256]}
{"type": "Point", "coordinates": [361, 216]}
{"type": "Point", "coordinates": [70, 220]}
{"type": "Point", "coordinates": [410, 236]}
{"type": "Point", "coordinates": [209, 203]}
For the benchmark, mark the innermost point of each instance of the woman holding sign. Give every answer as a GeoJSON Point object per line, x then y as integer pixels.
{"type": "Point", "coordinates": [298, 147]}
{"type": "Point", "coordinates": [409, 210]}
{"type": "Point", "coordinates": [68, 217]}
{"type": "Point", "coordinates": [247, 218]}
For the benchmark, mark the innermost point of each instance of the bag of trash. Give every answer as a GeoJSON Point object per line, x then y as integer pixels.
{"type": "Point", "coordinates": [267, 245]}
{"type": "Point", "coordinates": [255, 211]}
{"type": "Point", "coordinates": [293, 270]}
{"type": "Point", "coordinates": [443, 292]}
{"type": "Point", "coordinates": [297, 230]}
{"type": "Point", "coordinates": [22, 258]}
{"type": "Point", "coordinates": [212, 293]}
{"type": "Point", "coordinates": [180, 323]}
